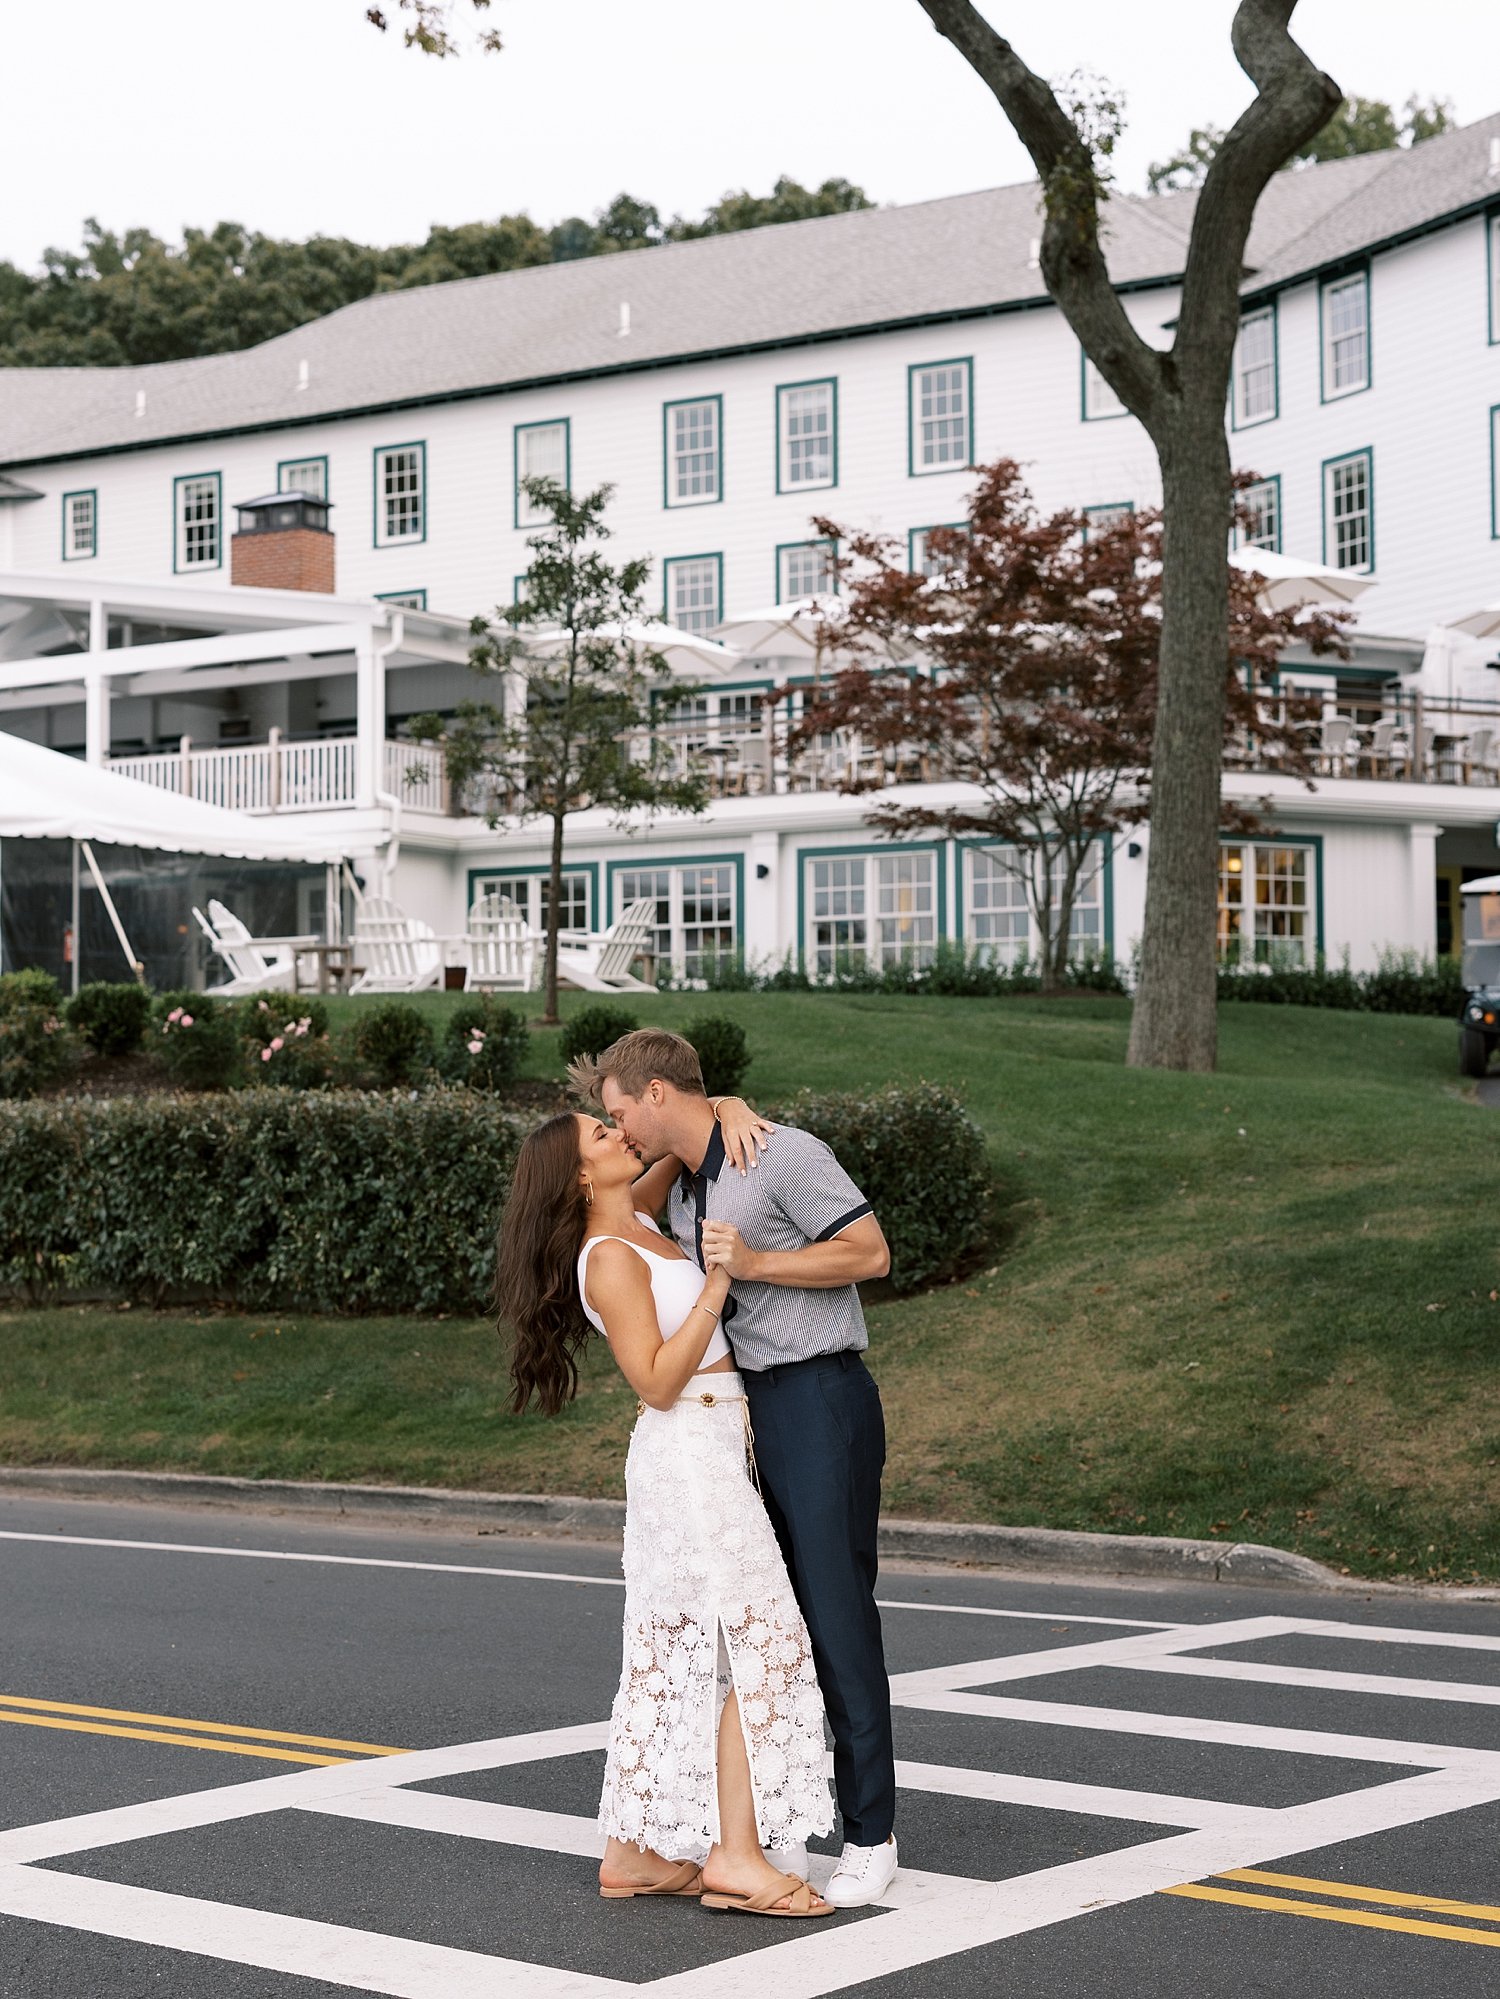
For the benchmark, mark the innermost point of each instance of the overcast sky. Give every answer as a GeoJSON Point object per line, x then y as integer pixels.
{"type": "Point", "coordinates": [294, 117]}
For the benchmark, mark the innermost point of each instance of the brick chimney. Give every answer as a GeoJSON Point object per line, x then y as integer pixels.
{"type": "Point", "coordinates": [283, 542]}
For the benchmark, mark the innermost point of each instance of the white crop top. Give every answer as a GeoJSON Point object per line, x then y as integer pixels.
{"type": "Point", "coordinates": [676, 1286]}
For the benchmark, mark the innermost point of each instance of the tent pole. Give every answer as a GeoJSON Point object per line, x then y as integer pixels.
{"type": "Point", "coordinates": [114, 914]}
{"type": "Point", "coordinates": [77, 926]}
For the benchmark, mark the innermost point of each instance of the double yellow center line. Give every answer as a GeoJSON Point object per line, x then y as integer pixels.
{"type": "Point", "coordinates": [171, 1728]}
{"type": "Point", "coordinates": [1374, 1918]}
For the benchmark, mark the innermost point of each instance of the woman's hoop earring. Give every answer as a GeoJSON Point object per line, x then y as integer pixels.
{"type": "Point", "coordinates": [588, 1193]}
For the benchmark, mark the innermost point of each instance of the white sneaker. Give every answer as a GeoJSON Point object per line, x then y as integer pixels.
{"type": "Point", "coordinates": [788, 1859]}
{"type": "Point", "coordinates": [862, 1875]}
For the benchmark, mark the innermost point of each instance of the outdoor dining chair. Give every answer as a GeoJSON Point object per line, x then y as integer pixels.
{"type": "Point", "coordinates": [253, 968]}
{"type": "Point", "coordinates": [603, 964]}
{"type": "Point", "coordinates": [399, 952]}
{"type": "Point", "coordinates": [501, 947]}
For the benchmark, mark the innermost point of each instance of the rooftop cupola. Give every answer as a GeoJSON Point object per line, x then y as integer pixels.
{"type": "Point", "coordinates": [283, 542]}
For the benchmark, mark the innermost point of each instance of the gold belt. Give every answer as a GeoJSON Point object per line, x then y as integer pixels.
{"type": "Point", "coordinates": [710, 1401]}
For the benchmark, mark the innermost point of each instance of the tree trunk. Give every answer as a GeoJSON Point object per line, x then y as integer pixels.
{"type": "Point", "coordinates": [1175, 1021]}
{"type": "Point", "coordinates": [554, 921]}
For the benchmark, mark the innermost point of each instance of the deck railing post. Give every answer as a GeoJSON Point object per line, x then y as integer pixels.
{"type": "Point", "coordinates": [273, 745]}
{"type": "Point", "coordinates": [185, 766]}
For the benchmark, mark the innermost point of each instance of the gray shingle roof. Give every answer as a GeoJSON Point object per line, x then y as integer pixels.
{"type": "Point", "coordinates": [963, 255]}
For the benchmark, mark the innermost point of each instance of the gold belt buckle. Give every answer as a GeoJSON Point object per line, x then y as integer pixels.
{"type": "Point", "coordinates": [707, 1401]}
{"type": "Point", "coordinates": [640, 1408]}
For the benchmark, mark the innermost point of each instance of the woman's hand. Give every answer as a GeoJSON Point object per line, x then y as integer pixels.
{"type": "Point", "coordinates": [746, 1134]}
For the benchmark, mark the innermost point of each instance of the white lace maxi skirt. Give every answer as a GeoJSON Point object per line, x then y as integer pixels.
{"type": "Point", "coordinates": [704, 1582]}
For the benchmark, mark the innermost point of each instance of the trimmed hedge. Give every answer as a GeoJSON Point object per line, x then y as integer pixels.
{"type": "Point", "coordinates": [329, 1201]}
{"type": "Point", "coordinates": [593, 1030]}
{"type": "Point", "coordinates": [110, 1016]}
{"type": "Point", "coordinates": [36, 1048]}
{"type": "Point", "coordinates": [954, 972]}
{"type": "Point", "coordinates": [1402, 983]}
{"type": "Point", "coordinates": [919, 1160]}
{"type": "Point", "coordinates": [722, 1051]}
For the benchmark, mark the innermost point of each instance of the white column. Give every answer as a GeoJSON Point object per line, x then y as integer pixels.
{"type": "Point", "coordinates": [369, 689]}
{"type": "Point", "coordinates": [762, 943]}
{"type": "Point", "coordinates": [1422, 846]}
{"type": "Point", "coordinates": [95, 717]}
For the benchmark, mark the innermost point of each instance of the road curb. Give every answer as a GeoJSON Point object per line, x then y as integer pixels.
{"type": "Point", "coordinates": [521, 1514]}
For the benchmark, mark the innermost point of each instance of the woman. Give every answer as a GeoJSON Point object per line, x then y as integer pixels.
{"type": "Point", "coordinates": [716, 1737]}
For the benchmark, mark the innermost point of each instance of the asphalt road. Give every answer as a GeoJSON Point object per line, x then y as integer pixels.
{"type": "Point", "coordinates": [1177, 1793]}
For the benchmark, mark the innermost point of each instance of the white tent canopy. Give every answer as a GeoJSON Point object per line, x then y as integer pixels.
{"type": "Point", "coordinates": [47, 796]}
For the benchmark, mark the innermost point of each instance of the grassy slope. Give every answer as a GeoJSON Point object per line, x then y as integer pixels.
{"type": "Point", "coordinates": [1258, 1305]}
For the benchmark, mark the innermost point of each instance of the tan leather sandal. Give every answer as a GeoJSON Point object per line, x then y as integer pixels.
{"type": "Point", "coordinates": [684, 1879]}
{"type": "Point", "coordinates": [804, 1900]}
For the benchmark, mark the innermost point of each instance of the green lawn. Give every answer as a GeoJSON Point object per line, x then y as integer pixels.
{"type": "Point", "coordinates": [1261, 1305]}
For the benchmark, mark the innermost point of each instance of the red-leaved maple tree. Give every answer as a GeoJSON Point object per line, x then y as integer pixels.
{"type": "Point", "coordinates": [1022, 674]}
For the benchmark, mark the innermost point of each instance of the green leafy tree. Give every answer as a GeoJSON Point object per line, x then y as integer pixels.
{"type": "Point", "coordinates": [571, 728]}
{"type": "Point", "coordinates": [788, 201]}
{"type": "Point", "coordinates": [1360, 125]}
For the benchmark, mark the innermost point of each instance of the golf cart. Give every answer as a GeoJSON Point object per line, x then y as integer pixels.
{"type": "Point", "coordinates": [1479, 1023]}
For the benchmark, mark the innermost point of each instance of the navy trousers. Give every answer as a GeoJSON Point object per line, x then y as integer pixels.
{"type": "Point", "coordinates": [820, 1450]}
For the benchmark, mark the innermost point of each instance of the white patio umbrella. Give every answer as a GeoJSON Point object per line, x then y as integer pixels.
{"type": "Point", "coordinates": [1288, 582]}
{"type": "Point", "coordinates": [684, 652]}
{"type": "Point", "coordinates": [796, 629]}
{"type": "Point", "coordinates": [1482, 624]}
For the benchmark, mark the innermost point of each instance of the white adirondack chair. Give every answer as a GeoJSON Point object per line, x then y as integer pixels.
{"type": "Point", "coordinates": [253, 968]}
{"type": "Point", "coordinates": [602, 964]}
{"type": "Point", "coordinates": [399, 952]}
{"type": "Point", "coordinates": [501, 947]}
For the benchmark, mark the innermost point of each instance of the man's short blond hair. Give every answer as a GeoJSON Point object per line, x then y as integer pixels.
{"type": "Point", "coordinates": [645, 1055]}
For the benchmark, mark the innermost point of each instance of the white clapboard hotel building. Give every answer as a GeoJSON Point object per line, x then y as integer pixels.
{"type": "Point", "coordinates": [857, 367]}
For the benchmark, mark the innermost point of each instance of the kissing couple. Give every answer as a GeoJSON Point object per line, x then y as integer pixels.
{"type": "Point", "coordinates": [752, 1481]}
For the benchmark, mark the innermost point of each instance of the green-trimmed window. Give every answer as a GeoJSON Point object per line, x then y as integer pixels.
{"type": "Point", "coordinates": [694, 448]}
{"type": "Point", "coordinates": [1261, 504]}
{"type": "Point", "coordinates": [1349, 512]}
{"type": "Point", "coordinates": [997, 913]}
{"type": "Point", "coordinates": [400, 494]}
{"type": "Point", "coordinates": [80, 533]}
{"type": "Point", "coordinates": [1345, 311]}
{"type": "Point", "coordinates": [940, 415]}
{"type": "Point", "coordinates": [1255, 368]}
{"type": "Point", "coordinates": [694, 923]}
{"type": "Point", "coordinates": [1107, 514]}
{"type": "Point", "coordinates": [921, 558]}
{"type": "Point", "coordinates": [877, 909]}
{"type": "Point", "coordinates": [403, 600]}
{"type": "Point", "coordinates": [530, 895]}
{"type": "Point", "coordinates": [693, 589]}
{"type": "Point", "coordinates": [1267, 901]}
{"type": "Point", "coordinates": [542, 451]}
{"type": "Point", "coordinates": [806, 436]}
{"type": "Point", "coordinates": [303, 475]}
{"type": "Point", "coordinates": [1492, 251]}
{"type": "Point", "coordinates": [805, 569]}
{"type": "Point", "coordinates": [1099, 398]}
{"type": "Point", "coordinates": [199, 522]}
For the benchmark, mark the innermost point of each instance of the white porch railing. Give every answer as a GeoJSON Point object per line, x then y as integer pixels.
{"type": "Point", "coordinates": [417, 774]}
{"type": "Point", "coordinates": [290, 777]}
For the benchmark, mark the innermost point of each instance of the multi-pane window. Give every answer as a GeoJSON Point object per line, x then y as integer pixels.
{"type": "Point", "coordinates": [1099, 520]}
{"type": "Point", "coordinates": [1260, 506]}
{"type": "Point", "coordinates": [806, 436]}
{"type": "Point", "coordinates": [1099, 399]}
{"type": "Point", "coordinates": [542, 452]}
{"type": "Point", "coordinates": [1346, 335]}
{"type": "Point", "coordinates": [400, 493]}
{"type": "Point", "coordinates": [693, 591]}
{"type": "Point", "coordinates": [877, 909]}
{"type": "Point", "coordinates": [804, 569]}
{"type": "Point", "coordinates": [694, 924]}
{"type": "Point", "coordinates": [1255, 368]}
{"type": "Point", "coordinates": [199, 521]}
{"type": "Point", "coordinates": [1495, 472]}
{"type": "Point", "coordinates": [923, 559]}
{"type": "Point", "coordinates": [531, 895]}
{"type": "Point", "coordinates": [1493, 239]}
{"type": "Point", "coordinates": [1349, 512]}
{"type": "Point", "coordinates": [1266, 904]}
{"type": "Point", "coordinates": [80, 526]}
{"type": "Point", "coordinates": [403, 600]}
{"type": "Point", "coordinates": [998, 920]}
{"type": "Point", "coordinates": [942, 398]}
{"type": "Point", "coordinates": [694, 452]}
{"type": "Point", "coordinates": [303, 475]}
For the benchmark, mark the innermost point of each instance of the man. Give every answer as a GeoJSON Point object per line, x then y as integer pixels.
{"type": "Point", "coordinates": [797, 1236]}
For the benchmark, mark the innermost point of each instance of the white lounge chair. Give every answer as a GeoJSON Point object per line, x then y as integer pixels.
{"type": "Point", "coordinates": [253, 968]}
{"type": "Point", "coordinates": [501, 947]}
{"type": "Point", "coordinates": [602, 964]}
{"type": "Point", "coordinates": [399, 953]}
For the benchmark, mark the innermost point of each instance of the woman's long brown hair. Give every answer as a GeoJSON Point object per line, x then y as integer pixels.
{"type": "Point", "coordinates": [536, 1276]}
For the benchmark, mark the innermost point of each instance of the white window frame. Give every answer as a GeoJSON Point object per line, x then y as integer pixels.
{"type": "Point", "coordinates": [693, 441]}
{"type": "Point", "coordinates": [681, 946]}
{"type": "Point", "coordinates": [998, 924]}
{"type": "Point", "coordinates": [918, 561]}
{"type": "Point", "coordinates": [1100, 404]}
{"type": "Point", "coordinates": [292, 476]}
{"type": "Point", "coordinates": [825, 582]}
{"type": "Point", "coordinates": [529, 893]}
{"type": "Point", "coordinates": [852, 908]}
{"type": "Point", "coordinates": [198, 537]}
{"type": "Point", "coordinates": [400, 494]}
{"type": "Point", "coordinates": [940, 416]}
{"type": "Point", "coordinates": [80, 547]}
{"type": "Point", "coordinates": [807, 435]}
{"type": "Point", "coordinates": [693, 591]}
{"type": "Point", "coordinates": [1492, 253]}
{"type": "Point", "coordinates": [1256, 390]}
{"type": "Point", "coordinates": [1268, 491]}
{"type": "Point", "coordinates": [533, 441]}
{"type": "Point", "coordinates": [1333, 544]}
{"type": "Point", "coordinates": [1099, 519]}
{"type": "Point", "coordinates": [1282, 927]}
{"type": "Point", "coordinates": [1331, 302]}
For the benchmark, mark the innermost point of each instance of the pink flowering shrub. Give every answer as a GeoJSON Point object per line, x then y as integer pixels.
{"type": "Point", "coordinates": [36, 1049]}
{"type": "Point", "coordinates": [483, 1043]}
{"type": "Point", "coordinates": [196, 1038]}
{"type": "Point", "coordinates": [286, 1040]}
